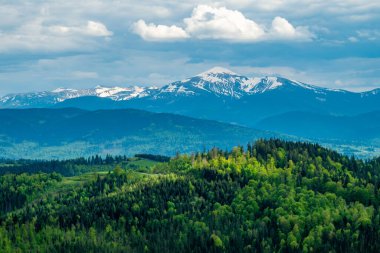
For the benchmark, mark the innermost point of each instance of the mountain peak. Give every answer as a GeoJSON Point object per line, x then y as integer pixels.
{"type": "Point", "coordinates": [216, 71]}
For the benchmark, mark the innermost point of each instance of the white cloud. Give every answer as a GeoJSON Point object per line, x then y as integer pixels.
{"type": "Point", "coordinates": [207, 22]}
{"type": "Point", "coordinates": [92, 28]}
{"type": "Point", "coordinates": [37, 35]}
{"type": "Point", "coordinates": [152, 32]}
{"type": "Point", "coordinates": [265, 5]}
{"type": "Point", "coordinates": [96, 29]}
{"type": "Point", "coordinates": [282, 29]}
{"type": "Point", "coordinates": [351, 10]}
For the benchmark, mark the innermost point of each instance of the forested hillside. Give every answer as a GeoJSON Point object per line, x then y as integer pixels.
{"type": "Point", "coordinates": [71, 133]}
{"type": "Point", "coordinates": [271, 196]}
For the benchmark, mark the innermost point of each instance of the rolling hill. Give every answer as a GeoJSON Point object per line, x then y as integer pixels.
{"type": "Point", "coordinates": [70, 132]}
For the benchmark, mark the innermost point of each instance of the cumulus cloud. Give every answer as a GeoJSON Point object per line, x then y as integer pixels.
{"type": "Point", "coordinates": [97, 29]}
{"type": "Point", "coordinates": [207, 22]}
{"type": "Point", "coordinates": [37, 36]}
{"type": "Point", "coordinates": [152, 32]}
{"type": "Point", "coordinates": [282, 29]}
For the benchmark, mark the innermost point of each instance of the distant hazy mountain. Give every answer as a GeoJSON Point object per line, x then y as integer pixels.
{"type": "Point", "coordinates": [48, 98]}
{"type": "Point", "coordinates": [362, 127]}
{"type": "Point", "coordinates": [217, 94]}
{"type": "Point", "coordinates": [268, 103]}
{"type": "Point", "coordinates": [62, 133]}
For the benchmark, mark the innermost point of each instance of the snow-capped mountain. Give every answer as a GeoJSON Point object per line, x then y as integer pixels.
{"type": "Point", "coordinates": [225, 83]}
{"type": "Point", "coordinates": [119, 94]}
{"type": "Point", "coordinates": [267, 103]}
{"type": "Point", "coordinates": [46, 98]}
{"type": "Point", "coordinates": [217, 93]}
{"type": "Point", "coordinates": [38, 99]}
{"type": "Point", "coordinates": [216, 81]}
{"type": "Point", "coordinates": [219, 82]}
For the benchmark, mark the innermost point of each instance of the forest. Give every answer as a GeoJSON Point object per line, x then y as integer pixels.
{"type": "Point", "coordinates": [269, 196]}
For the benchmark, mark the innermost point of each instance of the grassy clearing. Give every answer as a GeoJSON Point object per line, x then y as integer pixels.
{"type": "Point", "coordinates": [136, 167]}
{"type": "Point", "coordinates": [68, 182]}
{"type": "Point", "coordinates": [138, 164]}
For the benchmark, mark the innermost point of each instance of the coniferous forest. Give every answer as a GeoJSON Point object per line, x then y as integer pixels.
{"type": "Point", "coordinates": [270, 196]}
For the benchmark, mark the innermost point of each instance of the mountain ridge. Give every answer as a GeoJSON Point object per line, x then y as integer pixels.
{"type": "Point", "coordinates": [225, 96]}
{"type": "Point", "coordinates": [71, 132]}
{"type": "Point", "coordinates": [217, 81]}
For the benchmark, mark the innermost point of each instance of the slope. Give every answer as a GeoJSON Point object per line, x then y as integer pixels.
{"type": "Point", "coordinates": [69, 132]}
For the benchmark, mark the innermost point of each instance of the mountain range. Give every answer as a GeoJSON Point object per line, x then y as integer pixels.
{"type": "Point", "coordinates": [218, 94]}
{"type": "Point", "coordinates": [70, 132]}
{"type": "Point", "coordinates": [271, 103]}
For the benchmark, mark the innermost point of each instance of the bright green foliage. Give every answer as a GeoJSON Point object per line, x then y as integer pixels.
{"type": "Point", "coordinates": [275, 197]}
{"type": "Point", "coordinates": [17, 190]}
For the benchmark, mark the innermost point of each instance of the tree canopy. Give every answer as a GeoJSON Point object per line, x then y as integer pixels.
{"type": "Point", "coordinates": [271, 196]}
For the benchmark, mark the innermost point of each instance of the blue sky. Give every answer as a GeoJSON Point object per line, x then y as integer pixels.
{"type": "Point", "coordinates": [50, 44]}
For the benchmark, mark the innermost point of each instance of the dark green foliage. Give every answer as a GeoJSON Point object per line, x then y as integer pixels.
{"type": "Point", "coordinates": [157, 158]}
{"type": "Point", "coordinates": [70, 167]}
{"type": "Point", "coordinates": [275, 196]}
{"type": "Point", "coordinates": [16, 190]}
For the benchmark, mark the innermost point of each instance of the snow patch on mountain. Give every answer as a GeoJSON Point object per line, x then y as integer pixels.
{"type": "Point", "coordinates": [217, 71]}
{"type": "Point", "coordinates": [59, 90]}
{"type": "Point", "coordinates": [273, 83]}
{"type": "Point", "coordinates": [104, 92]}
{"type": "Point", "coordinates": [249, 84]}
{"type": "Point", "coordinates": [218, 81]}
{"type": "Point", "coordinates": [123, 93]}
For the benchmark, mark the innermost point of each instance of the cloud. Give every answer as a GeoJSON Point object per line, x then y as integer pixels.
{"type": "Point", "coordinates": [353, 39]}
{"type": "Point", "coordinates": [352, 10]}
{"type": "Point", "coordinates": [97, 29]}
{"type": "Point", "coordinates": [371, 35]}
{"type": "Point", "coordinates": [92, 28]}
{"type": "Point", "coordinates": [282, 29]}
{"type": "Point", "coordinates": [220, 23]}
{"type": "Point", "coordinates": [283, 71]}
{"type": "Point", "coordinates": [27, 34]}
{"type": "Point", "coordinates": [265, 5]}
{"type": "Point", "coordinates": [152, 32]}
{"type": "Point", "coordinates": [38, 35]}
{"type": "Point", "coordinates": [207, 22]}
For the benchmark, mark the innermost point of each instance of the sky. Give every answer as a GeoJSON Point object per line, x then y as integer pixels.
{"type": "Point", "coordinates": [82, 44]}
